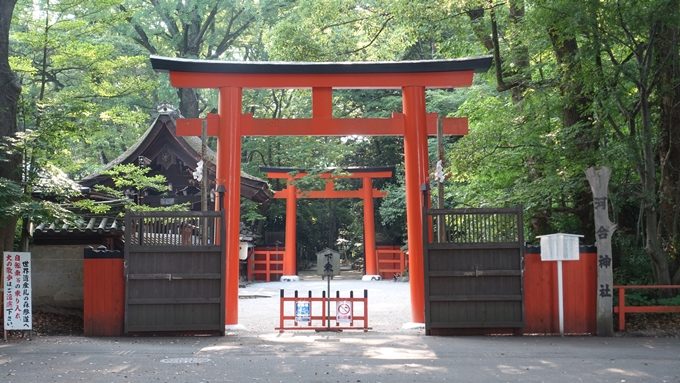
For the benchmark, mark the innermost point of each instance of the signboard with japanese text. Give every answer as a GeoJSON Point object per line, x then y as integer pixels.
{"type": "Point", "coordinates": [302, 311]}
{"type": "Point", "coordinates": [598, 178]}
{"type": "Point", "coordinates": [559, 247]}
{"type": "Point", "coordinates": [16, 280]}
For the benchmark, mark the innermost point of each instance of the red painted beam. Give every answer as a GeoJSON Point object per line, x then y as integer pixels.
{"type": "Point", "coordinates": [323, 127]}
{"type": "Point", "coordinates": [322, 102]}
{"type": "Point", "coordinates": [379, 174]}
{"type": "Point", "coordinates": [453, 79]}
{"type": "Point", "coordinates": [328, 194]}
{"type": "Point", "coordinates": [193, 126]}
{"type": "Point", "coordinates": [453, 126]}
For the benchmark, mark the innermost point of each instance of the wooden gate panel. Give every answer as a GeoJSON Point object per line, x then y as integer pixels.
{"type": "Point", "coordinates": [173, 261]}
{"type": "Point", "coordinates": [155, 318]}
{"type": "Point", "coordinates": [475, 315]}
{"type": "Point", "coordinates": [469, 286]}
{"type": "Point", "coordinates": [178, 289]}
{"type": "Point", "coordinates": [456, 259]}
{"type": "Point", "coordinates": [474, 274]}
{"type": "Point", "coordinates": [175, 276]}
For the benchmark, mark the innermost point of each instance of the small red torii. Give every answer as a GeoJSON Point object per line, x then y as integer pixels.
{"type": "Point", "coordinates": [414, 124]}
{"type": "Point", "coordinates": [366, 193]}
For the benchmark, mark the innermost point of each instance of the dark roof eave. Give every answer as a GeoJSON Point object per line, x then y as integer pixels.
{"type": "Point", "coordinates": [477, 64]}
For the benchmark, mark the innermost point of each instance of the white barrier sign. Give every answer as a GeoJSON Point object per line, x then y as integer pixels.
{"type": "Point", "coordinates": [343, 312]}
{"type": "Point", "coordinates": [18, 310]}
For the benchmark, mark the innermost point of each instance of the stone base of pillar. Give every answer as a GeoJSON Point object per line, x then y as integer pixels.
{"type": "Point", "coordinates": [289, 278]}
{"type": "Point", "coordinates": [413, 326]}
{"type": "Point", "coordinates": [234, 327]}
{"type": "Point", "coordinates": [371, 278]}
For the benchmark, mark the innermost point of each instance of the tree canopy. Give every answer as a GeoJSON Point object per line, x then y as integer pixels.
{"type": "Point", "coordinates": [574, 84]}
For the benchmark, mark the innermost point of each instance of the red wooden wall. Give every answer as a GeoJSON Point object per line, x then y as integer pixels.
{"type": "Point", "coordinates": [540, 293]}
{"type": "Point", "coordinates": [103, 297]}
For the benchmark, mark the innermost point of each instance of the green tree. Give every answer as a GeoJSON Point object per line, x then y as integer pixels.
{"type": "Point", "coordinates": [83, 94]}
{"type": "Point", "coordinates": [9, 94]}
{"type": "Point", "coordinates": [193, 29]}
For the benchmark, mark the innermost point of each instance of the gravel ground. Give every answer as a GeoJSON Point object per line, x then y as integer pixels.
{"type": "Point", "coordinates": [388, 302]}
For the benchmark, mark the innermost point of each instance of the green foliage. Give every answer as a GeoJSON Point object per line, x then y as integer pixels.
{"type": "Point", "coordinates": [9, 192]}
{"type": "Point", "coordinates": [83, 90]}
{"type": "Point", "coordinates": [126, 178]}
{"type": "Point", "coordinates": [43, 188]}
{"type": "Point", "coordinates": [136, 177]}
{"type": "Point", "coordinates": [650, 298]}
{"type": "Point", "coordinates": [41, 211]}
{"type": "Point", "coordinates": [576, 85]}
{"type": "Point", "coordinates": [632, 264]}
{"type": "Point", "coordinates": [91, 206]}
{"type": "Point", "coordinates": [343, 30]}
{"type": "Point", "coordinates": [141, 208]}
{"type": "Point", "coordinates": [250, 213]}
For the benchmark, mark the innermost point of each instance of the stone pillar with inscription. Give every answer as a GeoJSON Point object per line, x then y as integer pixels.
{"type": "Point", "coordinates": [598, 178]}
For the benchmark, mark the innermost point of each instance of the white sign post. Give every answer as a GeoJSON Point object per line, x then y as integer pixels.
{"type": "Point", "coordinates": [17, 309]}
{"type": "Point", "coordinates": [560, 247]}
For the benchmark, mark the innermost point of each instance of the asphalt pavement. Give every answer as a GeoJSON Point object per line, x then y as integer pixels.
{"type": "Point", "coordinates": [255, 352]}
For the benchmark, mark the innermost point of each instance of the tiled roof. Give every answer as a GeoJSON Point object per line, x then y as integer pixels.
{"type": "Point", "coordinates": [83, 225]}
{"type": "Point", "coordinates": [252, 187]}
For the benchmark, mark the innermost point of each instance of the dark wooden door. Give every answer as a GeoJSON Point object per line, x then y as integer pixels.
{"type": "Point", "coordinates": [174, 273]}
{"type": "Point", "coordinates": [473, 272]}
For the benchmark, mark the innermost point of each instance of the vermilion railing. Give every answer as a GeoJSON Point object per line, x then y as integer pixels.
{"type": "Point", "coordinates": [391, 261]}
{"type": "Point", "coordinates": [622, 309]}
{"type": "Point", "coordinates": [265, 264]}
{"type": "Point", "coordinates": [323, 313]}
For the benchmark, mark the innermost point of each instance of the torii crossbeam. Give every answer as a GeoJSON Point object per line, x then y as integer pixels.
{"type": "Point", "coordinates": [413, 123]}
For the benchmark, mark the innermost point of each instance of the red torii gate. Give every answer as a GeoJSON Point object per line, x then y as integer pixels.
{"type": "Point", "coordinates": [230, 124]}
{"type": "Point", "coordinates": [366, 193]}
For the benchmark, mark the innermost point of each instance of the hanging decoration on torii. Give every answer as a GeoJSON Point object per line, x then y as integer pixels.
{"type": "Point", "coordinates": [413, 123]}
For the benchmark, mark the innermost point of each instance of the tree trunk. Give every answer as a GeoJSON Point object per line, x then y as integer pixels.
{"type": "Point", "coordinates": [668, 54]}
{"type": "Point", "coordinates": [576, 104]}
{"type": "Point", "coordinates": [188, 102]}
{"type": "Point", "coordinates": [10, 90]}
{"type": "Point", "coordinates": [9, 84]}
{"type": "Point", "coordinates": [660, 265]}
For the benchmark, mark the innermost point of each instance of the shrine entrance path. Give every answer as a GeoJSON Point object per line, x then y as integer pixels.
{"type": "Point", "coordinates": [389, 302]}
{"type": "Point", "coordinates": [343, 358]}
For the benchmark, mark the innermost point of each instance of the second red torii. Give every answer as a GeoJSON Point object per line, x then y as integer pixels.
{"type": "Point", "coordinates": [291, 194]}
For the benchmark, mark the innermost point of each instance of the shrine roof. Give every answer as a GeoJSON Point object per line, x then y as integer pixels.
{"type": "Point", "coordinates": [160, 137]}
{"type": "Point", "coordinates": [476, 64]}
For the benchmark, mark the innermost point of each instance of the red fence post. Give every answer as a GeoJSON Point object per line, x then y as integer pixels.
{"type": "Point", "coordinates": [281, 308]}
{"type": "Point", "coordinates": [622, 308]}
{"type": "Point", "coordinates": [323, 308]}
{"type": "Point", "coordinates": [365, 310]}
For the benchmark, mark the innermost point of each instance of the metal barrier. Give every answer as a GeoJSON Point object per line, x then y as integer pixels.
{"type": "Point", "coordinates": [622, 309]}
{"type": "Point", "coordinates": [314, 313]}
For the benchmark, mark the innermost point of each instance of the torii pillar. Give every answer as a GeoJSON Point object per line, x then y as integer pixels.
{"type": "Point", "coordinates": [412, 77]}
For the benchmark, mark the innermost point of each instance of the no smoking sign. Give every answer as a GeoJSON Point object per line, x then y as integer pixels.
{"type": "Point", "coordinates": [343, 312]}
